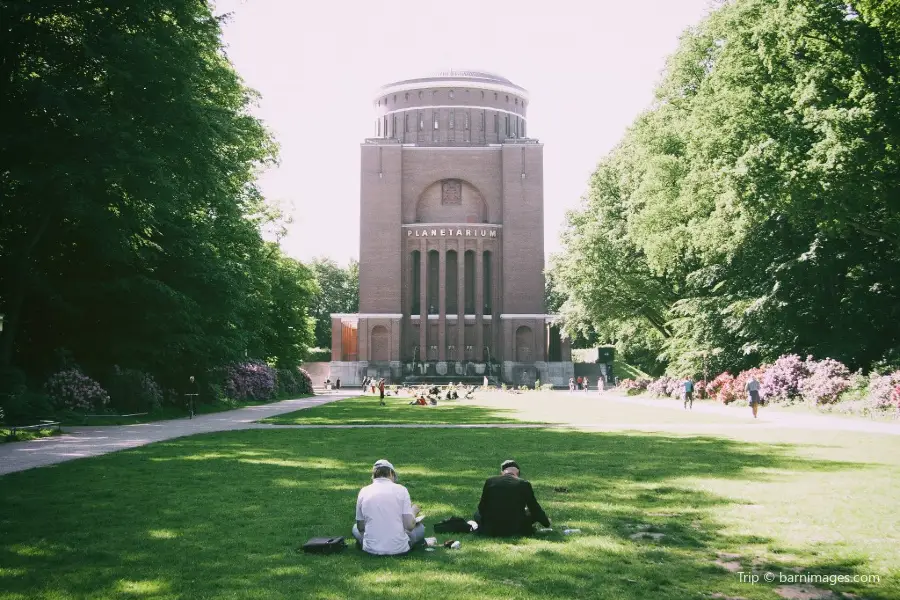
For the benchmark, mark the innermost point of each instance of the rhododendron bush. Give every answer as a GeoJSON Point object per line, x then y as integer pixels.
{"type": "Point", "coordinates": [250, 380]}
{"type": "Point", "coordinates": [634, 386]}
{"type": "Point", "coordinates": [882, 392]}
{"type": "Point", "coordinates": [664, 386]}
{"type": "Point", "coordinates": [827, 380]}
{"type": "Point", "coordinates": [73, 390]}
{"type": "Point", "coordinates": [722, 388]}
{"type": "Point", "coordinates": [782, 379]}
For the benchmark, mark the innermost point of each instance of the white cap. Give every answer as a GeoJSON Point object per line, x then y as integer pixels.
{"type": "Point", "coordinates": [384, 463]}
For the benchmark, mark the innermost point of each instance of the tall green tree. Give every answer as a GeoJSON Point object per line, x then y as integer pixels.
{"type": "Point", "coordinates": [757, 193]}
{"type": "Point", "coordinates": [338, 293]}
{"type": "Point", "coordinates": [130, 226]}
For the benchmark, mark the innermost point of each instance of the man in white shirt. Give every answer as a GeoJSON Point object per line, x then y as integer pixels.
{"type": "Point", "coordinates": [752, 387]}
{"type": "Point", "coordinates": [385, 516]}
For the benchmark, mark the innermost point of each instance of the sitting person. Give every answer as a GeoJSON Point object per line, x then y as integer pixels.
{"type": "Point", "coordinates": [508, 506]}
{"type": "Point", "coordinates": [385, 517]}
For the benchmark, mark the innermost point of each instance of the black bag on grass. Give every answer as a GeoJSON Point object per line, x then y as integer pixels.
{"type": "Point", "coordinates": [453, 525]}
{"type": "Point", "coordinates": [324, 545]}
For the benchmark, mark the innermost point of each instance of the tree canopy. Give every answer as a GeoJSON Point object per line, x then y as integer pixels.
{"type": "Point", "coordinates": [130, 229]}
{"type": "Point", "coordinates": [339, 293]}
{"type": "Point", "coordinates": [752, 210]}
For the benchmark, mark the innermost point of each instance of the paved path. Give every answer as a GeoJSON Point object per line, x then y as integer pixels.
{"type": "Point", "coordinates": [772, 417]}
{"type": "Point", "coordinates": [79, 442]}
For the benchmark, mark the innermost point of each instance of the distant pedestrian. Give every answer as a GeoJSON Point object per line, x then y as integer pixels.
{"type": "Point", "coordinates": [337, 383]}
{"type": "Point", "coordinates": [381, 390]}
{"type": "Point", "coordinates": [571, 385]}
{"type": "Point", "coordinates": [752, 387]}
{"type": "Point", "coordinates": [601, 384]}
{"type": "Point", "coordinates": [578, 383]}
{"type": "Point", "coordinates": [485, 382]}
{"type": "Point", "coordinates": [688, 393]}
{"type": "Point", "coordinates": [587, 384]}
{"type": "Point", "coordinates": [365, 384]}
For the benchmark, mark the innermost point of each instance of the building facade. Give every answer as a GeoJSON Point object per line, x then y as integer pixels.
{"type": "Point", "coordinates": [451, 240]}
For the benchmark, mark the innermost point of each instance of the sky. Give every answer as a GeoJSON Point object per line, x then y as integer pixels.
{"type": "Point", "coordinates": [590, 67]}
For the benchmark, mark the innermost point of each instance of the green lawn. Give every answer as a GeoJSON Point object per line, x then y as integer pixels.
{"type": "Point", "coordinates": [222, 515]}
{"type": "Point", "coordinates": [496, 407]}
{"type": "Point", "coordinates": [366, 410]}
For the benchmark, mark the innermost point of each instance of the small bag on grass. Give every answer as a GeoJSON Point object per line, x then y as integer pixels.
{"type": "Point", "coordinates": [453, 525]}
{"type": "Point", "coordinates": [324, 545]}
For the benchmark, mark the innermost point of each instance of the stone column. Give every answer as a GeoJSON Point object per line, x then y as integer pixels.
{"type": "Point", "coordinates": [479, 302]}
{"type": "Point", "coordinates": [442, 301]}
{"type": "Point", "coordinates": [461, 300]}
{"type": "Point", "coordinates": [423, 301]}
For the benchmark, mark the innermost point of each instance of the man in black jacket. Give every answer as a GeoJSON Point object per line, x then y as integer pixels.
{"type": "Point", "coordinates": [508, 506]}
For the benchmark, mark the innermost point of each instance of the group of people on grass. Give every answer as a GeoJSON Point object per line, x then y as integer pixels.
{"type": "Point", "coordinates": [583, 383]}
{"type": "Point", "coordinates": [386, 518]}
{"type": "Point", "coordinates": [751, 387]}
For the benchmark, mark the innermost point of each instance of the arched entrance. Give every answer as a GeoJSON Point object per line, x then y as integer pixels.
{"type": "Point", "coordinates": [381, 344]}
{"type": "Point", "coordinates": [524, 344]}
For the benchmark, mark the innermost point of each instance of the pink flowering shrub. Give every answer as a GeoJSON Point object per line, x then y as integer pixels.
{"type": "Point", "coordinates": [663, 387]}
{"type": "Point", "coordinates": [827, 380]}
{"type": "Point", "coordinates": [895, 396]}
{"type": "Point", "coordinates": [740, 382]}
{"type": "Point", "coordinates": [634, 386]}
{"type": "Point", "coordinates": [782, 379]}
{"type": "Point", "coordinates": [882, 393]}
{"type": "Point", "coordinates": [722, 388]}
{"type": "Point", "coordinates": [73, 390]}
{"type": "Point", "coordinates": [250, 380]}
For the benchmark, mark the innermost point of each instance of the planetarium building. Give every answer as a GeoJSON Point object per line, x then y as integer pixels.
{"type": "Point", "coordinates": [451, 240]}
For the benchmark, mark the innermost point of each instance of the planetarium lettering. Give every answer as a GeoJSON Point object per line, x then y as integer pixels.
{"type": "Point", "coordinates": [488, 233]}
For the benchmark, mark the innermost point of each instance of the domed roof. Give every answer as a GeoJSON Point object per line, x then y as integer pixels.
{"type": "Point", "coordinates": [484, 78]}
{"type": "Point", "coordinates": [465, 73]}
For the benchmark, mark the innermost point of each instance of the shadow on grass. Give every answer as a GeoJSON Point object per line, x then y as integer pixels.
{"type": "Point", "coordinates": [223, 515]}
{"type": "Point", "coordinates": [366, 410]}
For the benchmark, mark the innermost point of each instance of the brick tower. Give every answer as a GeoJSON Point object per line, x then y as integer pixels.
{"type": "Point", "coordinates": [451, 240]}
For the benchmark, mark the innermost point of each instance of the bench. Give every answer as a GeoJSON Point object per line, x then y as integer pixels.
{"type": "Point", "coordinates": [42, 425]}
{"type": "Point", "coordinates": [86, 417]}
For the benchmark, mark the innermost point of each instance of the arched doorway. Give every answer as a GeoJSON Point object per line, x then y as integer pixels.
{"type": "Point", "coordinates": [524, 343]}
{"type": "Point", "coordinates": [381, 344]}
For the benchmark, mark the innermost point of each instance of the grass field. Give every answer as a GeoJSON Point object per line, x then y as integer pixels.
{"type": "Point", "coordinates": [222, 515]}
{"type": "Point", "coordinates": [366, 410]}
{"type": "Point", "coordinates": [491, 407]}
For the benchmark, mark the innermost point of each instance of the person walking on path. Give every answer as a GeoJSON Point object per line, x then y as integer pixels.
{"type": "Point", "coordinates": [571, 385]}
{"type": "Point", "coordinates": [688, 393]}
{"type": "Point", "coordinates": [600, 384]}
{"type": "Point", "coordinates": [381, 390]}
{"type": "Point", "coordinates": [752, 387]}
